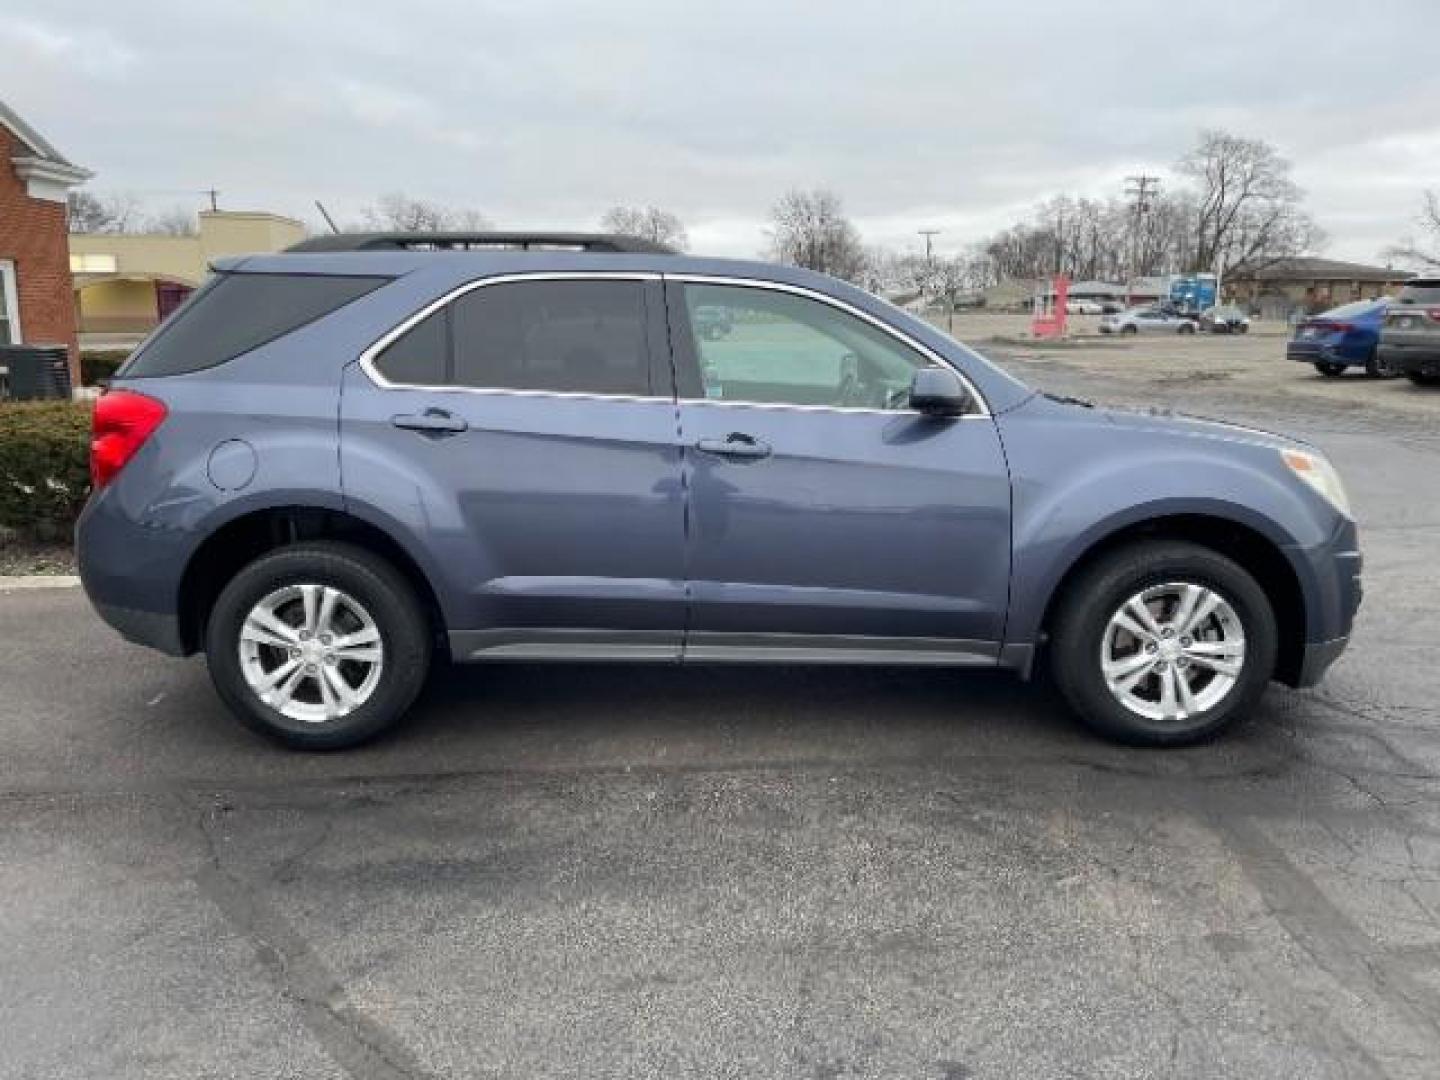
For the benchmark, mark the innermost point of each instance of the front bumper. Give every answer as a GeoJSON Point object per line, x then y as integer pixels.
{"type": "Point", "coordinates": [1331, 585]}
{"type": "Point", "coordinates": [1316, 660]}
{"type": "Point", "coordinates": [1411, 359]}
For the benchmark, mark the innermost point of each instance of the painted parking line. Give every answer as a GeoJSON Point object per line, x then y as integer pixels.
{"type": "Point", "coordinates": [12, 582]}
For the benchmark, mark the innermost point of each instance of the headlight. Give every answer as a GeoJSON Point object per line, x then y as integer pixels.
{"type": "Point", "coordinates": [1316, 471]}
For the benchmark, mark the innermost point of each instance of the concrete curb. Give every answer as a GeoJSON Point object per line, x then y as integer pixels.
{"type": "Point", "coordinates": [9, 583]}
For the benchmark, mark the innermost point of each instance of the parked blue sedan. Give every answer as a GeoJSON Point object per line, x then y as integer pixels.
{"type": "Point", "coordinates": [1341, 338]}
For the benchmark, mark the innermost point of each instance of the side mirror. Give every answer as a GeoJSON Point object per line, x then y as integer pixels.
{"type": "Point", "coordinates": [938, 391]}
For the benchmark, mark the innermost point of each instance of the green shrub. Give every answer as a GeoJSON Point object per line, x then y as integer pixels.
{"type": "Point", "coordinates": [44, 466]}
{"type": "Point", "coordinates": [97, 364]}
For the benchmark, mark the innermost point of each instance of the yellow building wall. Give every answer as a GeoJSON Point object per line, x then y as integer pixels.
{"type": "Point", "coordinates": [114, 307]}
{"type": "Point", "coordinates": [108, 303]}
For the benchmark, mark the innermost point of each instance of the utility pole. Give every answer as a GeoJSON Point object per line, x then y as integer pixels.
{"type": "Point", "coordinates": [1142, 189]}
{"type": "Point", "coordinates": [214, 198]}
{"type": "Point", "coordinates": [928, 234]}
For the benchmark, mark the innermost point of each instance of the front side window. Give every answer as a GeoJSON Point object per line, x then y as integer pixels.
{"type": "Point", "coordinates": [770, 347]}
{"type": "Point", "coordinates": [569, 336]}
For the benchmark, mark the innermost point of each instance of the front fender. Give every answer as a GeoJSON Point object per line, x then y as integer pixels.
{"type": "Point", "coordinates": [1106, 481]}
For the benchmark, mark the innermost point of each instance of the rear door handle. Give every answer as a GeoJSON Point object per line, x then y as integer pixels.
{"type": "Point", "coordinates": [431, 422]}
{"type": "Point", "coordinates": [736, 445]}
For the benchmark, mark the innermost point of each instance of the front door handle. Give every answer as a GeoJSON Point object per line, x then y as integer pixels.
{"type": "Point", "coordinates": [431, 422]}
{"type": "Point", "coordinates": [736, 445]}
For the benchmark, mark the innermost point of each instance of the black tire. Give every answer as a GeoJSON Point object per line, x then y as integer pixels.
{"type": "Point", "coordinates": [1423, 380]}
{"type": "Point", "coordinates": [1185, 328]}
{"type": "Point", "coordinates": [1093, 597]}
{"type": "Point", "coordinates": [1129, 328]}
{"type": "Point", "coordinates": [1329, 370]}
{"type": "Point", "coordinates": [1377, 368]}
{"type": "Point", "coordinates": [370, 580]}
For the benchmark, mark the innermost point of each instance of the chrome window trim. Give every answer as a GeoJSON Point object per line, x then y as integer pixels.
{"type": "Point", "coordinates": [850, 309]}
{"type": "Point", "coordinates": [371, 352]}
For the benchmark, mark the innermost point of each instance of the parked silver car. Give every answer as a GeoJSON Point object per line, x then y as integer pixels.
{"type": "Point", "coordinates": [1147, 320]}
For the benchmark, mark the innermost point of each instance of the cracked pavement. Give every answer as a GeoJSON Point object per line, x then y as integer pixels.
{"type": "Point", "coordinates": [622, 872]}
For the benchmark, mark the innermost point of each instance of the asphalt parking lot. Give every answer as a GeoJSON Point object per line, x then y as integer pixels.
{"type": "Point", "coordinates": [729, 872]}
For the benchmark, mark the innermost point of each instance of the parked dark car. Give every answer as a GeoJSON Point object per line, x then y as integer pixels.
{"type": "Point", "coordinates": [714, 322]}
{"type": "Point", "coordinates": [1224, 319]}
{"type": "Point", "coordinates": [335, 464]}
{"type": "Point", "coordinates": [1341, 338]}
{"type": "Point", "coordinates": [1410, 336]}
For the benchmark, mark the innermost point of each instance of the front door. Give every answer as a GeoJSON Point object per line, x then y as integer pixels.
{"type": "Point", "coordinates": [524, 434]}
{"type": "Point", "coordinates": [827, 519]}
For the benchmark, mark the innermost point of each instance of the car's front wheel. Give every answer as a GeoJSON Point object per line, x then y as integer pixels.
{"type": "Point", "coordinates": [1186, 328]}
{"type": "Point", "coordinates": [1129, 328]}
{"type": "Point", "coordinates": [1423, 380]}
{"type": "Point", "coordinates": [1163, 643]}
{"type": "Point", "coordinates": [320, 646]}
{"type": "Point", "coordinates": [1328, 369]}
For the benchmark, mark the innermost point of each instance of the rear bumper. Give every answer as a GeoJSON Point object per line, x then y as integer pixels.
{"type": "Point", "coordinates": [132, 573]}
{"type": "Point", "coordinates": [153, 629]}
{"type": "Point", "coordinates": [1411, 359]}
{"type": "Point", "coordinates": [1315, 352]}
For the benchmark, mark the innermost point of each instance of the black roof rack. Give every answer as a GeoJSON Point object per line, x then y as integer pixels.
{"type": "Point", "coordinates": [483, 241]}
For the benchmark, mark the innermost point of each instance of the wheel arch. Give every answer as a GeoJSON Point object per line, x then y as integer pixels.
{"type": "Point", "coordinates": [1260, 555]}
{"type": "Point", "coordinates": [245, 536]}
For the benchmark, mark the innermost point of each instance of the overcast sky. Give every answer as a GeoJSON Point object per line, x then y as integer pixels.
{"type": "Point", "coordinates": [957, 115]}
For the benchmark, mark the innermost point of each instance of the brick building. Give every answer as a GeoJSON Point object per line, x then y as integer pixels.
{"type": "Point", "coordinates": [37, 297]}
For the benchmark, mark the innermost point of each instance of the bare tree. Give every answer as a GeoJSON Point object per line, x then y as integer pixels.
{"type": "Point", "coordinates": [810, 229]}
{"type": "Point", "coordinates": [648, 223]}
{"type": "Point", "coordinates": [1425, 253]}
{"type": "Point", "coordinates": [1247, 207]}
{"type": "Point", "coordinates": [396, 211]}
{"type": "Point", "coordinates": [177, 221]}
{"type": "Point", "coordinates": [92, 213]}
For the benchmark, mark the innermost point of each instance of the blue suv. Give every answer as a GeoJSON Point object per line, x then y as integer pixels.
{"type": "Point", "coordinates": [338, 463]}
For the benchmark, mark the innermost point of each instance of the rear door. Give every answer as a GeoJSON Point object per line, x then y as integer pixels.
{"type": "Point", "coordinates": [524, 436]}
{"type": "Point", "coordinates": [828, 521]}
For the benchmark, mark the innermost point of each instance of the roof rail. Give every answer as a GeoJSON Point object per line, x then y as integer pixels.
{"type": "Point", "coordinates": [483, 241]}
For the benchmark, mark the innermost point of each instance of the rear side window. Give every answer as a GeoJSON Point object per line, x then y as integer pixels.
{"type": "Point", "coordinates": [235, 313]}
{"type": "Point", "coordinates": [567, 336]}
{"type": "Point", "coordinates": [1426, 291]}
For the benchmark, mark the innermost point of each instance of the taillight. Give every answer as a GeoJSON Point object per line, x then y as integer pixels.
{"type": "Point", "coordinates": [1332, 327]}
{"type": "Point", "coordinates": [1434, 313]}
{"type": "Point", "coordinates": [122, 421]}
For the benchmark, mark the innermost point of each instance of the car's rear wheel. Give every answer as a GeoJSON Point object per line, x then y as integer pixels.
{"type": "Point", "coordinates": [1129, 328]}
{"type": "Point", "coordinates": [1328, 369]}
{"type": "Point", "coordinates": [320, 646]}
{"type": "Point", "coordinates": [1163, 643]}
{"type": "Point", "coordinates": [1423, 380]}
{"type": "Point", "coordinates": [1186, 328]}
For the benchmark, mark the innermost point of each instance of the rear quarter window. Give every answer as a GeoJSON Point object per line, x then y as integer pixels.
{"type": "Point", "coordinates": [235, 313]}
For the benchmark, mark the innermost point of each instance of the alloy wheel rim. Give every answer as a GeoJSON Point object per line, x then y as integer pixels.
{"type": "Point", "coordinates": [1173, 651]}
{"type": "Point", "coordinates": [311, 652]}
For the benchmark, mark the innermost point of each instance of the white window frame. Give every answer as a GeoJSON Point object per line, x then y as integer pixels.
{"type": "Point", "coordinates": [10, 299]}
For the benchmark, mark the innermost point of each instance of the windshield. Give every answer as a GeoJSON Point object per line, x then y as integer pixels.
{"type": "Point", "coordinates": [1421, 292]}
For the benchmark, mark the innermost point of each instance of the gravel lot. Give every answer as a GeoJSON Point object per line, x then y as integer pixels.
{"type": "Point", "coordinates": [640, 872]}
